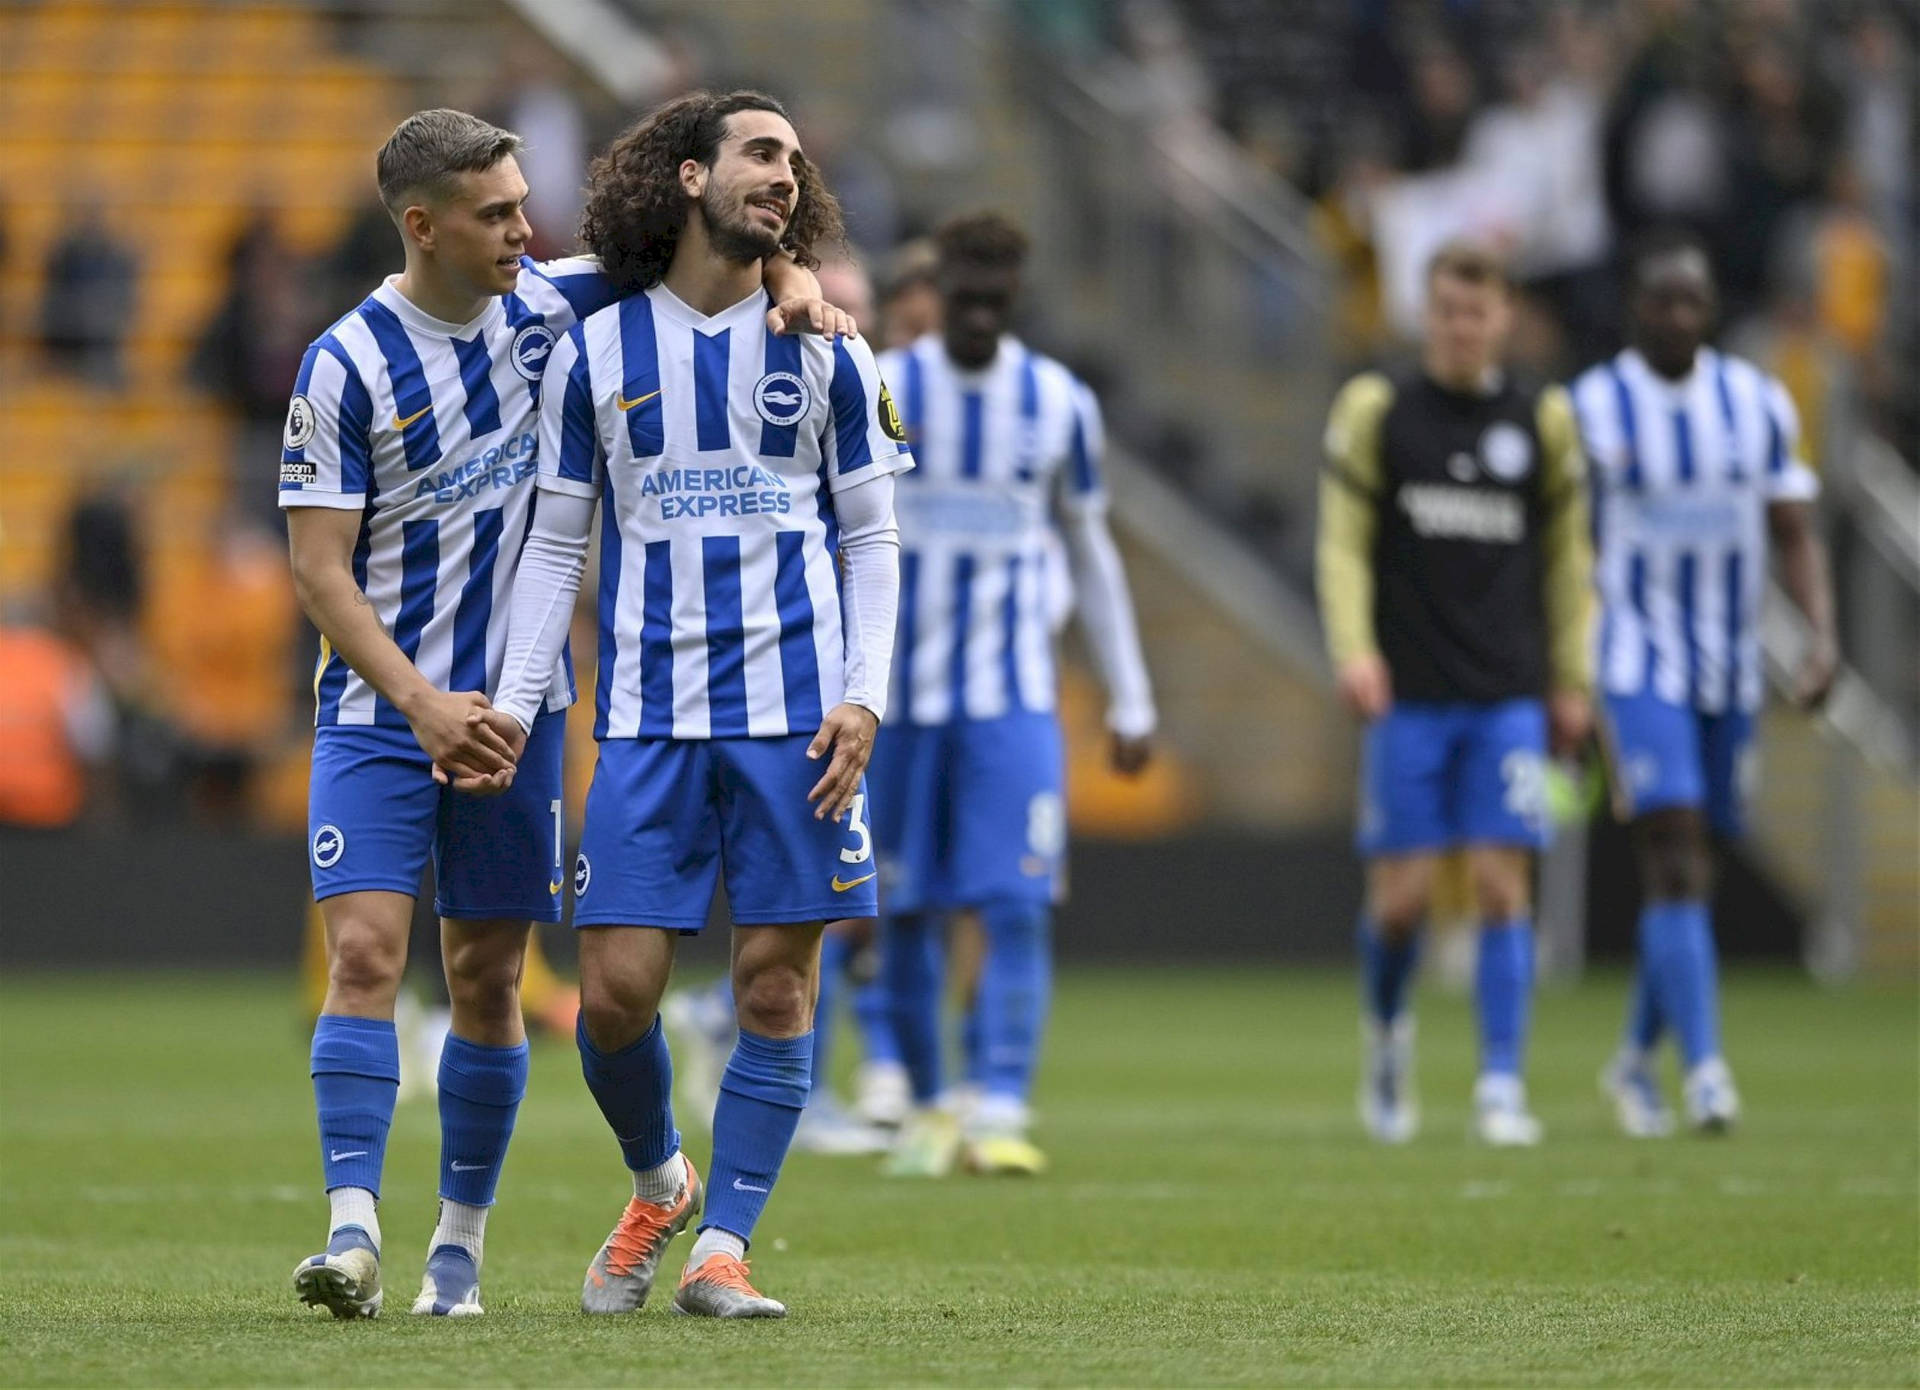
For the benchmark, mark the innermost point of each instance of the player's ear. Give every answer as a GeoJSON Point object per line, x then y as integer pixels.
{"type": "Point", "coordinates": [417, 221]}
{"type": "Point", "coordinates": [693, 178]}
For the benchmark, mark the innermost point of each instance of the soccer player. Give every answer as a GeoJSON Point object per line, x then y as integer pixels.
{"type": "Point", "coordinates": [1455, 579]}
{"type": "Point", "coordinates": [700, 1024]}
{"type": "Point", "coordinates": [748, 580]}
{"type": "Point", "coordinates": [407, 479]}
{"type": "Point", "coordinates": [969, 770]}
{"type": "Point", "coordinates": [1695, 465]}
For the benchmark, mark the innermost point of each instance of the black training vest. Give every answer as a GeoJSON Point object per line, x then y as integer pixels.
{"type": "Point", "coordinates": [1458, 607]}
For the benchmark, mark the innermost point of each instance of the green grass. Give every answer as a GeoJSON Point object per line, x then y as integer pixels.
{"type": "Point", "coordinates": [1212, 1217]}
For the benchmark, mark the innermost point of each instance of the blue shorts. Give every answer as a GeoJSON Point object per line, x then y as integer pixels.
{"type": "Point", "coordinates": [1435, 775]}
{"type": "Point", "coordinates": [666, 816]}
{"type": "Point", "coordinates": [970, 812]}
{"type": "Point", "coordinates": [374, 815]}
{"type": "Point", "coordinates": [1665, 755]}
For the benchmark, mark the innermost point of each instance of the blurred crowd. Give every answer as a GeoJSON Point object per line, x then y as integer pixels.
{"type": "Point", "coordinates": [1782, 131]}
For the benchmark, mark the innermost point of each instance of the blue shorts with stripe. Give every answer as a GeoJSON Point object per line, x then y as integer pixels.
{"type": "Point", "coordinates": [667, 817]}
{"type": "Point", "coordinates": [375, 815]}
{"type": "Point", "coordinates": [1437, 774]}
{"type": "Point", "coordinates": [1665, 755]}
{"type": "Point", "coordinates": [970, 811]}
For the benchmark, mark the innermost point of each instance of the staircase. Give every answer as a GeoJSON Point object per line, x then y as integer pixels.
{"type": "Point", "coordinates": [1843, 836]}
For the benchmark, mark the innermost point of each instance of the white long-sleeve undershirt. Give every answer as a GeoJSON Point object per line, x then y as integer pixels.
{"type": "Point", "coordinates": [555, 557]}
{"type": "Point", "coordinates": [870, 588]}
{"type": "Point", "coordinates": [1106, 615]}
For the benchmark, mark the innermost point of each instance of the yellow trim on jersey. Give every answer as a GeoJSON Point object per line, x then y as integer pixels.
{"type": "Point", "coordinates": [1349, 498]}
{"type": "Point", "coordinates": [320, 667]}
{"type": "Point", "coordinates": [1566, 544]}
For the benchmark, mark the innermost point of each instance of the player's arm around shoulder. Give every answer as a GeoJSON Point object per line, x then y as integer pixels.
{"type": "Point", "coordinates": [1566, 541]}
{"type": "Point", "coordinates": [799, 304]}
{"type": "Point", "coordinates": [1350, 486]}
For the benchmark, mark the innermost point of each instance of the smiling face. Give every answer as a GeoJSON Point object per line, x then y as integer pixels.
{"type": "Point", "coordinates": [748, 195]}
{"type": "Point", "coordinates": [476, 230]}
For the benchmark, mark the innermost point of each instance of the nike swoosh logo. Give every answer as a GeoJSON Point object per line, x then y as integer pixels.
{"type": "Point", "coordinates": [333, 1157]}
{"type": "Point", "coordinates": [840, 887]}
{"type": "Point", "coordinates": [739, 1186]}
{"type": "Point", "coordinates": [460, 1167]}
{"type": "Point", "coordinates": [400, 424]}
{"type": "Point", "coordinates": [626, 404]}
{"type": "Point", "coordinates": [554, 888]}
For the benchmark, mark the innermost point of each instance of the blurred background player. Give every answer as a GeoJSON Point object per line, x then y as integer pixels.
{"type": "Point", "coordinates": [1455, 582]}
{"type": "Point", "coordinates": [968, 772]}
{"type": "Point", "coordinates": [748, 583]}
{"type": "Point", "coordinates": [1696, 466]}
{"type": "Point", "coordinates": [910, 300]}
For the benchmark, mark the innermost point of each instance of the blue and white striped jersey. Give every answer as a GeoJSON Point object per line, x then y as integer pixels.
{"type": "Point", "coordinates": [715, 447]}
{"type": "Point", "coordinates": [428, 430]}
{"type": "Point", "coordinates": [1682, 473]}
{"type": "Point", "coordinates": [979, 589]}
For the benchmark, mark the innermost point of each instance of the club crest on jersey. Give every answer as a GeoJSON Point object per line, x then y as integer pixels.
{"type": "Point", "coordinates": [781, 398]}
{"type": "Point", "coordinates": [301, 423]}
{"type": "Point", "coordinates": [1506, 451]}
{"type": "Point", "coordinates": [532, 346]}
{"type": "Point", "coordinates": [328, 845]}
{"type": "Point", "coordinates": [889, 417]}
{"type": "Point", "coordinates": [582, 875]}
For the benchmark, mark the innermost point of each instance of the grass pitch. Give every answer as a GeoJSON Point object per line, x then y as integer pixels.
{"type": "Point", "coordinates": [1213, 1215]}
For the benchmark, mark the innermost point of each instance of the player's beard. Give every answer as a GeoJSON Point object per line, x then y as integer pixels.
{"type": "Point", "coordinates": [730, 233]}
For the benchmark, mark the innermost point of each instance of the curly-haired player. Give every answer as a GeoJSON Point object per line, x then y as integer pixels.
{"type": "Point", "coordinates": [637, 207]}
{"type": "Point", "coordinates": [748, 580]}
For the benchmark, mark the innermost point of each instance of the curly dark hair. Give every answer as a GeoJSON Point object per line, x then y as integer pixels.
{"type": "Point", "coordinates": [635, 206]}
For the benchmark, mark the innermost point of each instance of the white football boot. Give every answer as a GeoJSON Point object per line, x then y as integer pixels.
{"type": "Point", "coordinates": [1500, 1115]}
{"type": "Point", "coordinates": [1388, 1107]}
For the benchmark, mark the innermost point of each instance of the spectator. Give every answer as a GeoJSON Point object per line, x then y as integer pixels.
{"type": "Point", "coordinates": [87, 306]}
{"type": "Point", "coordinates": [543, 110]}
{"type": "Point", "coordinates": [1543, 145]}
{"type": "Point", "coordinates": [56, 726]}
{"type": "Point", "coordinates": [223, 630]}
{"type": "Point", "coordinates": [250, 352]}
{"type": "Point", "coordinates": [99, 600]}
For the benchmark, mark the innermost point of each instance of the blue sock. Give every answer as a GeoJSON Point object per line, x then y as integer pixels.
{"type": "Point", "coordinates": [762, 1092]}
{"type": "Point", "coordinates": [480, 1091]}
{"type": "Point", "coordinates": [973, 1051]}
{"type": "Point", "coordinates": [835, 951]}
{"type": "Point", "coordinates": [1503, 989]}
{"type": "Point", "coordinates": [1644, 1021]}
{"type": "Point", "coordinates": [356, 1076]}
{"type": "Point", "coordinates": [911, 966]}
{"type": "Point", "coordinates": [634, 1090]}
{"type": "Point", "coordinates": [873, 1016]}
{"type": "Point", "coordinates": [1676, 951]}
{"type": "Point", "coordinates": [1387, 968]}
{"type": "Point", "coordinates": [1016, 986]}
